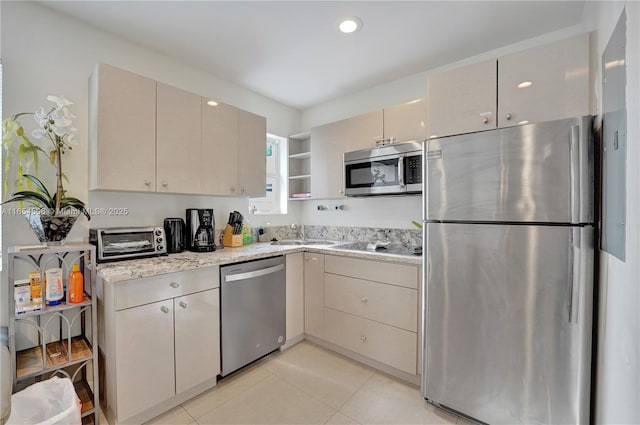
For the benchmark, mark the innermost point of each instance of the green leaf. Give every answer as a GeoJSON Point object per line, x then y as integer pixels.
{"type": "Point", "coordinates": [52, 156]}
{"type": "Point", "coordinates": [29, 195]}
{"type": "Point", "coordinates": [38, 184]}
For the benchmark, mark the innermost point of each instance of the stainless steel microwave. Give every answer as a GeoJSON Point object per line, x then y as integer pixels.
{"type": "Point", "coordinates": [126, 243]}
{"type": "Point", "coordinates": [388, 170]}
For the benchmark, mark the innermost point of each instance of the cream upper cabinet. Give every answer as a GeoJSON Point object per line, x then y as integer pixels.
{"type": "Point", "coordinates": [544, 83]}
{"type": "Point", "coordinates": [327, 160]}
{"type": "Point", "coordinates": [219, 149]}
{"type": "Point", "coordinates": [406, 122]}
{"type": "Point", "coordinates": [362, 131]}
{"type": "Point", "coordinates": [150, 136]}
{"type": "Point", "coordinates": [314, 294]}
{"type": "Point", "coordinates": [252, 146]}
{"type": "Point", "coordinates": [295, 295]}
{"type": "Point", "coordinates": [178, 140]}
{"type": "Point", "coordinates": [462, 100]}
{"type": "Point", "coordinates": [122, 110]}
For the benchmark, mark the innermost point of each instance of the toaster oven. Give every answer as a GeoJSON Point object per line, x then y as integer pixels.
{"type": "Point", "coordinates": [126, 243]}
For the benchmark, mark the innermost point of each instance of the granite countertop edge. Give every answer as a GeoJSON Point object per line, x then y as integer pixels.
{"type": "Point", "coordinates": [184, 261]}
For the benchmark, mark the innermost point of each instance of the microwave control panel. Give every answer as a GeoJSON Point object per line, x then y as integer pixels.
{"type": "Point", "coordinates": [413, 169]}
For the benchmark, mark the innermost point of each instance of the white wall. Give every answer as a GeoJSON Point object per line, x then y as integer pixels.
{"type": "Point", "coordinates": [618, 376]}
{"type": "Point", "coordinates": [45, 52]}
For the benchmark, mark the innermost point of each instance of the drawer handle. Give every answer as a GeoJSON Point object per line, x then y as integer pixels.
{"type": "Point", "coordinates": [363, 338]}
{"type": "Point", "coordinates": [164, 309]}
{"type": "Point", "coordinates": [363, 299]}
{"type": "Point", "coordinates": [174, 285]}
{"type": "Point", "coordinates": [182, 304]}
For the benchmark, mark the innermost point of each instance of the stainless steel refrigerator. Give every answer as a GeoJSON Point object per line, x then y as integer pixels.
{"type": "Point", "coordinates": [508, 273]}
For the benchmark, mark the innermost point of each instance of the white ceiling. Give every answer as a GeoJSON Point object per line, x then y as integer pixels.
{"type": "Point", "coordinates": [292, 51]}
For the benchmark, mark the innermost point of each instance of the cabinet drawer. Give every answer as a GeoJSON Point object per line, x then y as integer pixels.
{"type": "Point", "coordinates": [392, 305]}
{"type": "Point", "coordinates": [386, 344]}
{"type": "Point", "coordinates": [385, 272]}
{"type": "Point", "coordinates": [146, 290]}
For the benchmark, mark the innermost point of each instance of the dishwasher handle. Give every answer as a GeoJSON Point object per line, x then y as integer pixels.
{"type": "Point", "coordinates": [253, 274]}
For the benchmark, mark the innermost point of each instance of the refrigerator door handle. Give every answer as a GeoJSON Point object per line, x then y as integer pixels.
{"type": "Point", "coordinates": [574, 271]}
{"type": "Point", "coordinates": [574, 179]}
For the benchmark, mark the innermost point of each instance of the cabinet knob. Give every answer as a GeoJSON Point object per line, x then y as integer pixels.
{"type": "Point", "coordinates": [147, 182]}
{"type": "Point", "coordinates": [340, 191]}
{"type": "Point", "coordinates": [164, 309]}
{"type": "Point", "coordinates": [363, 299]}
{"type": "Point", "coordinates": [508, 117]}
{"type": "Point", "coordinates": [233, 188]}
{"type": "Point", "coordinates": [165, 184]}
{"type": "Point", "coordinates": [174, 285]}
{"type": "Point", "coordinates": [182, 304]}
{"type": "Point", "coordinates": [363, 338]}
{"type": "Point", "coordinates": [485, 120]}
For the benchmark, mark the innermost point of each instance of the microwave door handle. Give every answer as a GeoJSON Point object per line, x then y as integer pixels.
{"type": "Point", "coordinates": [401, 171]}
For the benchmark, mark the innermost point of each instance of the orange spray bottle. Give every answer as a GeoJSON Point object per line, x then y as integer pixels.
{"type": "Point", "coordinates": [76, 285]}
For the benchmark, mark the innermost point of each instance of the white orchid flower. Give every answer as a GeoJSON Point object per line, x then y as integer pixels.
{"type": "Point", "coordinates": [60, 101]}
{"type": "Point", "coordinates": [41, 117]}
{"type": "Point", "coordinates": [38, 133]}
{"type": "Point", "coordinates": [71, 139]}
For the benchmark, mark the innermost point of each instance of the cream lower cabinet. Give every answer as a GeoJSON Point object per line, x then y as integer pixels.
{"type": "Point", "coordinates": [295, 296]}
{"type": "Point", "coordinates": [371, 308]}
{"type": "Point", "coordinates": [314, 294]}
{"type": "Point", "coordinates": [160, 342]}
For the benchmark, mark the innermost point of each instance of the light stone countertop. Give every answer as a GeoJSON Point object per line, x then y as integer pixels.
{"type": "Point", "coordinates": [153, 266]}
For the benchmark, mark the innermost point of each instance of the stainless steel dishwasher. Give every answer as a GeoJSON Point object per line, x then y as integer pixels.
{"type": "Point", "coordinates": [253, 311]}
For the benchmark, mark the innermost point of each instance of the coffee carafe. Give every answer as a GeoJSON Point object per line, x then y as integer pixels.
{"type": "Point", "coordinates": [200, 230]}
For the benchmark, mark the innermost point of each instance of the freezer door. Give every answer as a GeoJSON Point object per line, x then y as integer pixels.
{"type": "Point", "coordinates": [530, 173]}
{"type": "Point", "coordinates": [508, 322]}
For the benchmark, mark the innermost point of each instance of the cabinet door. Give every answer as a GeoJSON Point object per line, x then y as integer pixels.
{"type": "Point", "coordinates": [314, 294]}
{"type": "Point", "coordinates": [197, 335]}
{"type": "Point", "coordinates": [362, 131]}
{"type": "Point", "coordinates": [252, 154]}
{"type": "Point", "coordinates": [406, 122]}
{"type": "Point", "coordinates": [544, 83]}
{"type": "Point", "coordinates": [219, 149]}
{"type": "Point", "coordinates": [144, 357]}
{"type": "Point", "coordinates": [462, 100]}
{"type": "Point", "coordinates": [178, 140]}
{"type": "Point", "coordinates": [123, 133]}
{"type": "Point", "coordinates": [295, 295]}
{"type": "Point", "coordinates": [327, 160]}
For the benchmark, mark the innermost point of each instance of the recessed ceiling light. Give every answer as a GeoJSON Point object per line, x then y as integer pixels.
{"type": "Point", "coordinates": [212, 103]}
{"type": "Point", "coordinates": [525, 84]}
{"type": "Point", "coordinates": [351, 24]}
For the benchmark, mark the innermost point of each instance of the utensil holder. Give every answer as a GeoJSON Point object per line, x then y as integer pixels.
{"type": "Point", "coordinates": [229, 239]}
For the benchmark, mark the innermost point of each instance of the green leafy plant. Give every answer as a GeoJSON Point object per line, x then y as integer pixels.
{"type": "Point", "coordinates": [55, 126]}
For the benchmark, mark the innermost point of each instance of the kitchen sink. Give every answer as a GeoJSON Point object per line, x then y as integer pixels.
{"type": "Point", "coordinates": [301, 242]}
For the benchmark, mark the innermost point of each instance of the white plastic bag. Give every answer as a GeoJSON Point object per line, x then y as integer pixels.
{"type": "Point", "coordinates": [50, 402]}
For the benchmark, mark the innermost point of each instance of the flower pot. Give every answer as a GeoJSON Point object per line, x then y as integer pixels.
{"type": "Point", "coordinates": [51, 229]}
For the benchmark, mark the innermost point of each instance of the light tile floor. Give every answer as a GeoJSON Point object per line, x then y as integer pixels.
{"type": "Point", "coordinates": [308, 384]}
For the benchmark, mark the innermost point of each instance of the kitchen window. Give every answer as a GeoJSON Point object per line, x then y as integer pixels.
{"type": "Point", "coordinates": [274, 202]}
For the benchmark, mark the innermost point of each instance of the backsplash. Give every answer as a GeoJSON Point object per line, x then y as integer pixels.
{"type": "Point", "coordinates": [347, 234]}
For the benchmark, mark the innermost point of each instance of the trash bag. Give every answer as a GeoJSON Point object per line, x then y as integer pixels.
{"type": "Point", "coordinates": [50, 402]}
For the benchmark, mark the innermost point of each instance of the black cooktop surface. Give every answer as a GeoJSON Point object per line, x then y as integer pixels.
{"type": "Point", "coordinates": [388, 249]}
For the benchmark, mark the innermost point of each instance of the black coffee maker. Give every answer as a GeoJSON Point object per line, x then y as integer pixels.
{"type": "Point", "coordinates": [200, 230]}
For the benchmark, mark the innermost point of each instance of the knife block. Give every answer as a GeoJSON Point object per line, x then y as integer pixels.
{"type": "Point", "coordinates": [229, 239]}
